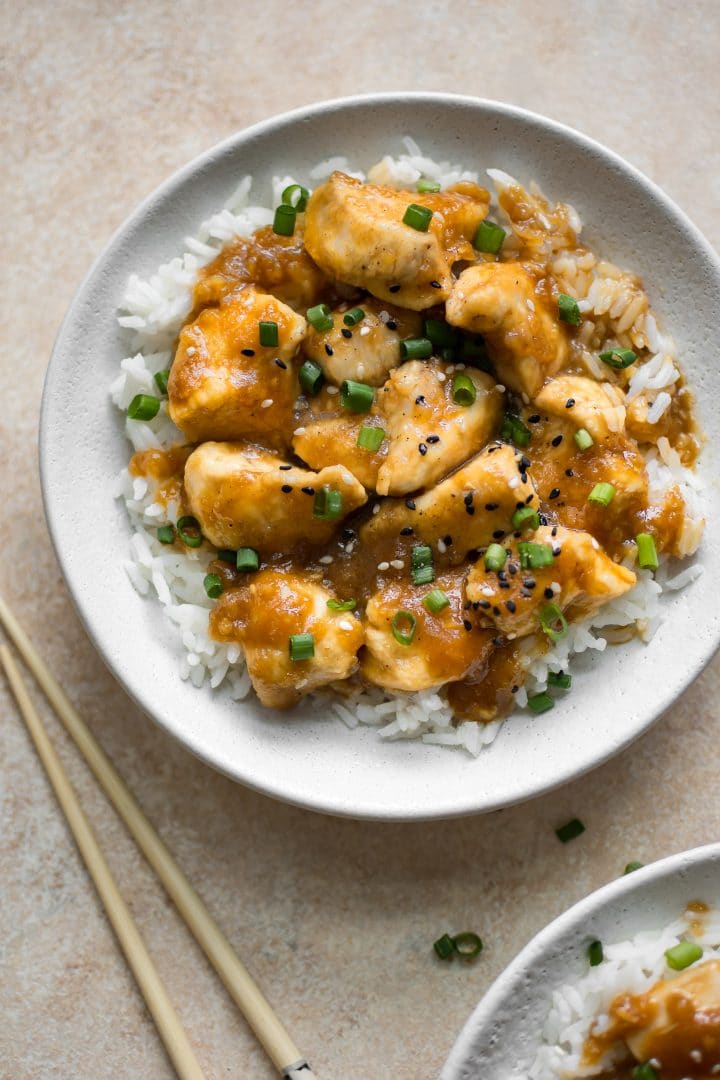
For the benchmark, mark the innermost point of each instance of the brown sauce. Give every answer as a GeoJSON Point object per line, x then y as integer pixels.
{"type": "Point", "coordinates": [166, 469]}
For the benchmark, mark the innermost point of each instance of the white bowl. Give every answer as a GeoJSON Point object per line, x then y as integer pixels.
{"type": "Point", "coordinates": [500, 1039]}
{"type": "Point", "coordinates": [311, 759]}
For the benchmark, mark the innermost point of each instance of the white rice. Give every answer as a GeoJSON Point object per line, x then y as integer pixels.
{"type": "Point", "coordinates": [630, 966]}
{"type": "Point", "coordinates": [155, 309]}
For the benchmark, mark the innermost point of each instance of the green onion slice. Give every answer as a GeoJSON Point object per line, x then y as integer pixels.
{"type": "Point", "coordinates": [268, 334]}
{"type": "Point", "coordinates": [571, 831]}
{"type": "Point", "coordinates": [357, 397]}
{"type": "Point", "coordinates": [370, 438]}
{"type": "Point", "coordinates": [561, 679]}
{"type": "Point", "coordinates": [342, 605]}
{"type": "Point", "coordinates": [436, 601]}
{"type": "Point", "coordinates": [328, 503]}
{"type": "Point", "coordinates": [464, 391]}
{"type": "Point", "coordinates": [416, 349]}
{"type": "Point", "coordinates": [421, 555]}
{"type": "Point", "coordinates": [643, 1072]}
{"type": "Point", "coordinates": [540, 703]}
{"type": "Point", "coordinates": [247, 559]}
{"type": "Point", "coordinates": [553, 622]}
{"type": "Point", "coordinates": [440, 333]}
{"type": "Point", "coordinates": [320, 318]}
{"type": "Point", "coordinates": [683, 955]}
{"type": "Point", "coordinates": [444, 947]}
{"type": "Point", "coordinates": [188, 529]}
{"type": "Point", "coordinates": [143, 407]}
{"type": "Point", "coordinates": [427, 187]}
{"type": "Point", "coordinates": [213, 585]}
{"type": "Point", "coordinates": [311, 377]}
{"type": "Point", "coordinates": [227, 555]}
{"type": "Point", "coordinates": [525, 518]}
{"type": "Point", "coordinates": [467, 945]}
{"type": "Point", "coordinates": [422, 575]}
{"type": "Point", "coordinates": [353, 317]}
{"type": "Point", "coordinates": [166, 534]}
{"type": "Point", "coordinates": [489, 237]}
{"type": "Point", "coordinates": [513, 430]}
{"type": "Point", "coordinates": [568, 309]}
{"type": "Point", "coordinates": [403, 626]}
{"type": "Point", "coordinates": [296, 196]}
{"type": "Point", "coordinates": [161, 380]}
{"type": "Point", "coordinates": [583, 439]}
{"type": "Point", "coordinates": [595, 953]}
{"type": "Point", "coordinates": [618, 358]}
{"type": "Point", "coordinates": [534, 556]}
{"type": "Point", "coordinates": [495, 557]}
{"type": "Point", "coordinates": [284, 220]}
{"type": "Point", "coordinates": [647, 552]}
{"type": "Point", "coordinates": [418, 217]}
{"type": "Point", "coordinates": [602, 494]}
{"type": "Point", "coordinates": [301, 646]}
{"type": "Point", "coordinates": [632, 867]}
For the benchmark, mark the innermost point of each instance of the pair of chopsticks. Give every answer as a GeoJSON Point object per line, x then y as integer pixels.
{"type": "Point", "coordinates": [247, 996]}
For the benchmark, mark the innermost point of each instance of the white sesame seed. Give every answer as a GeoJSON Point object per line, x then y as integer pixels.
{"type": "Point", "coordinates": [595, 544]}
{"type": "Point", "coordinates": [332, 391]}
{"type": "Point", "coordinates": [531, 306]}
{"type": "Point", "coordinates": [299, 685]}
{"type": "Point", "coordinates": [449, 369]}
{"type": "Point", "coordinates": [696, 1055]}
{"type": "Point", "coordinates": [500, 387]}
{"type": "Point", "coordinates": [511, 636]}
{"type": "Point", "coordinates": [555, 586]}
{"type": "Point", "coordinates": [190, 351]}
{"type": "Point", "coordinates": [349, 547]}
{"type": "Point", "coordinates": [376, 508]}
{"type": "Point", "coordinates": [525, 398]}
{"type": "Point", "coordinates": [486, 590]}
{"type": "Point", "coordinates": [364, 331]}
{"type": "Point", "coordinates": [441, 376]}
{"type": "Point", "coordinates": [299, 431]}
{"type": "Point", "coordinates": [266, 403]}
{"type": "Point", "coordinates": [384, 316]}
{"type": "Point", "coordinates": [360, 370]}
{"type": "Point", "coordinates": [398, 564]}
{"type": "Point", "coordinates": [460, 367]}
{"type": "Point", "coordinates": [514, 482]}
{"type": "Point", "coordinates": [383, 566]}
{"type": "Point", "coordinates": [325, 559]}
{"type": "Point", "coordinates": [442, 547]}
{"type": "Point", "coordinates": [345, 624]}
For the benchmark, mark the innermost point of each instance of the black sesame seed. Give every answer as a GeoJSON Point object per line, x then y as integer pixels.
{"type": "Point", "coordinates": [473, 555]}
{"type": "Point", "coordinates": [529, 583]}
{"type": "Point", "coordinates": [308, 490]}
{"type": "Point", "coordinates": [422, 448]}
{"type": "Point", "coordinates": [498, 641]}
{"type": "Point", "coordinates": [524, 463]}
{"type": "Point", "coordinates": [525, 594]}
{"type": "Point", "coordinates": [329, 350]}
{"type": "Point", "coordinates": [467, 605]}
{"type": "Point", "coordinates": [284, 468]}
{"type": "Point", "coordinates": [557, 440]}
{"type": "Point", "coordinates": [535, 419]}
{"type": "Point", "coordinates": [542, 519]}
{"type": "Point", "coordinates": [394, 288]}
{"type": "Point", "coordinates": [435, 285]}
{"type": "Point", "coordinates": [346, 333]}
{"type": "Point", "coordinates": [491, 506]}
{"type": "Point", "coordinates": [569, 472]}
{"type": "Point", "coordinates": [554, 531]}
{"type": "Point", "coordinates": [433, 439]}
{"type": "Point", "coordinates": [498, 534]}
{"type": "Point", "coordinates": [520, 505]}
{"type": "Point", "coordinates": [514, 689]}
{"type": "Point", "coordinates": [407, 531]}
{"type": "Point", "coordinates": [248, 352]}
{"type": "Point", "coordinates": [554, 493]}
{"type": "Point", "coordinates": [548, 593]}
{"type": "Point", "coordinates": [280, 364]}
{"type": "Point", "coordinates": [504, 584]}
{"type": "Point", "coordinates": [468, 499]}
{"type": "Point", "coordinates": [528, 500]}
{"type": "Point", "coordinates": [523, 478]}
{"type": "Point", "coordinates": [569, 403]}
{"type": "Point", "coordinates": [496, 610]}
{"type": "Point", "coordinates": [512, 568]}
{"type": "Point", "coordinates": [484, 604]}
{"type": "Point", "coordinates": [470, 510]}
{"type": "Point", "coordinates": [348, 534]}
{"type": "Point", "coordinates": [410, 503]}
{"type": "Point", "coordinates": [286, 488]}
{"type": "Point", "coordinates": [420, 399]}
{"type": "Point", "coordinates": [467, 624]}
{"type": "Point", "coordinates": [557, 551]}
{"type": "Point", "coordinates": [511, 606]}
{"type": "Point", "coordinates": [391, 324]}
{"type": "Point", "coordinates": [447, 540]}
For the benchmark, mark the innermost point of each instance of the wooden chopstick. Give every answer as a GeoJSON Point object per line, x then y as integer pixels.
{"type": "Point", "coordinates": [268, 1028]}
{"type": "Point", "coordinates": [151, 985]}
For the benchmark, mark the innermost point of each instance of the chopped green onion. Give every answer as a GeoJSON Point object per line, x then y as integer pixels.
{"type": "Point", "coordinates": [464, 391]}
{"type": "Point", "coordinates": [561, 679]}
{"type": "Point", "coordinates": [643, 1072]}
{"type": "Point", "coordinates": [404, 636]}
{"type": "Point", "coordinates": [525, 518]}
{"type": "Point", "coordinates": [513, 430]}
{"type": "Point", "coordinates": [161, 380]}
{"type": "Point", "coordinates": [143, 407]}
{"type": "Point", "coordinates": [342, 605]}
{"type": "Point", "coordinates": [295, 195]}
{"type": "Point", "coordinates": [213, 585]}
{"type": "Point", "coordinates": [301, 646]}
{"type": "Point", "coordinates": [357, 397]}
{"type": "Point", "coordinates": [328, 503]}
{"type": "Point", "coordinates": [421, 555]}
{"type": "Point", "coordinates": [247, 559]}
{"type": "Point", "coordinates": [602, 494]}
{"type": "Point", "coordinates": [595, 953]}
{"type": "Point", "coordinates": [188, 529]}
{"type": "Point", "coordinates": [489, 237]}
{"type": "Point", "coordinates": [647, 552]}
{"type": "Point", "coordinates": [570, 831]}
{"type": "Point", "coordinates": [268, 334]}
{"type": "Point", "coordinates": [427, 187]}
{"type": "Point", "coordinates": [370, 438]}
{"type": "Point", "coordinates": [474, 350]}
{"type": "Point", "coordinates": [284, 220]}
{"type": "Point", "coordinates": [540, 703]}
{"type": "Point", "coordinates": [444, 947]}
{"type": "Point", "coordinates": [534, 556]}
{"type": "Point", "coordinates": [467, 945]}
{"type": "Point", "coordinates": [583, 439]}
{"type": "Point", "coordinates": [166, 534]}
{"type": "Point", "coordinates": [227, 555]}
{"type": "Point", "coordinates": [352, 318]}
{"type": "Point", "coordinates": [320, 318]}
{"type": "Point", "coordinates": [418, 217]}
{"type": "Point", "coordinates": [568, 309]}
{"type": "Point", "coordinates": [311, 377]}
{"type": "Point", "coordinates": [618, 358]}
{"type": "Point", "coordinates": [495, 557]}
{"type": "Point", "coordinates": [435, 601]}
{"type": "Point", "coordinates": [683, 955]}
{"type": "Point", "coordinates": [553, 622]}
{"type": "Point", "coordinates": [422, 575]}
{"type": "Point", "coordinates": [440, 333]}
{"type": "Point", "coordinates": [632, 867]}
{"type": "Point", "coordinates": [416, 349]}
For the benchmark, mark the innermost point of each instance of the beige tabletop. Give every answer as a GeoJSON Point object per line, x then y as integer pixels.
{"type": "Point", "coordinates": [101, 101]}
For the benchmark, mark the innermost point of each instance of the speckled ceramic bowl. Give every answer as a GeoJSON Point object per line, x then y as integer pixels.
{"type": "Point", "coordinates": [307, 758]}
{"type": "Point", "coordinates": [500, 1039]}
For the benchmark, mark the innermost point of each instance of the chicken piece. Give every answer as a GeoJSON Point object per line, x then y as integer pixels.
{"type": "Point", "coordinates": [472, 507]}
{"type": "Point", "coordinates": [355, 233]}
{"type": "Point", "coordinates": [276, 264]}
{"type": "Point", "coordinates": [597, 407]}
{"type": "Point", "coordinates": [445, 647]}
{"type": "Point", "coordinates": [225, 385]}
{"type": "Point", "coordinates": [263, 614]}
{"type": "Point", "coordinates": [500, 301]}
{"type": "Point", "coordinates": [429, 434]}
{"type": "Point", "coordinates": [581, 577]}
{"type": "Point", "coordinates": [367, 351]}
{"type": "Point", "coordinates": [242, 496]}
{"type": "Point", "coordinates": [328, 436]}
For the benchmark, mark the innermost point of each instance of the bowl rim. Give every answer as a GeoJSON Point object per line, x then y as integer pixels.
{"type": "Point", "coordinates": [560, 928]}
{"type": "Point", "coordinates": [135, 688]}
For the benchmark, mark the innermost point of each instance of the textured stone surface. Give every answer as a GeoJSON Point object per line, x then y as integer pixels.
{"type": "Point", "coordinates": [334, 918]}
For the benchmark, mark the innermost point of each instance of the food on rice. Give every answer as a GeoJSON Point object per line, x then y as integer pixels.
{"type": "Point", "coordinates": [409, 451]}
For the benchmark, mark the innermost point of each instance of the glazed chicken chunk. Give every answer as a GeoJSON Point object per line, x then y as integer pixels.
{"type": "Point", "coordinates": [355, 232]}
{"type": "Point", "coordinates": [265, 614]}
{"type": "Point", "coordinates": [597, 407]}
{"type": "Point", "coordinates": [366, 352]}
{"type": "Point", "coordinates": [244, 496]}
{"type": "Point", "coordinates": [328, 435]}
{"type": "Point", "coordinates": [224, 384]}
{"type": "Point", "coordinates": [499, 300]}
